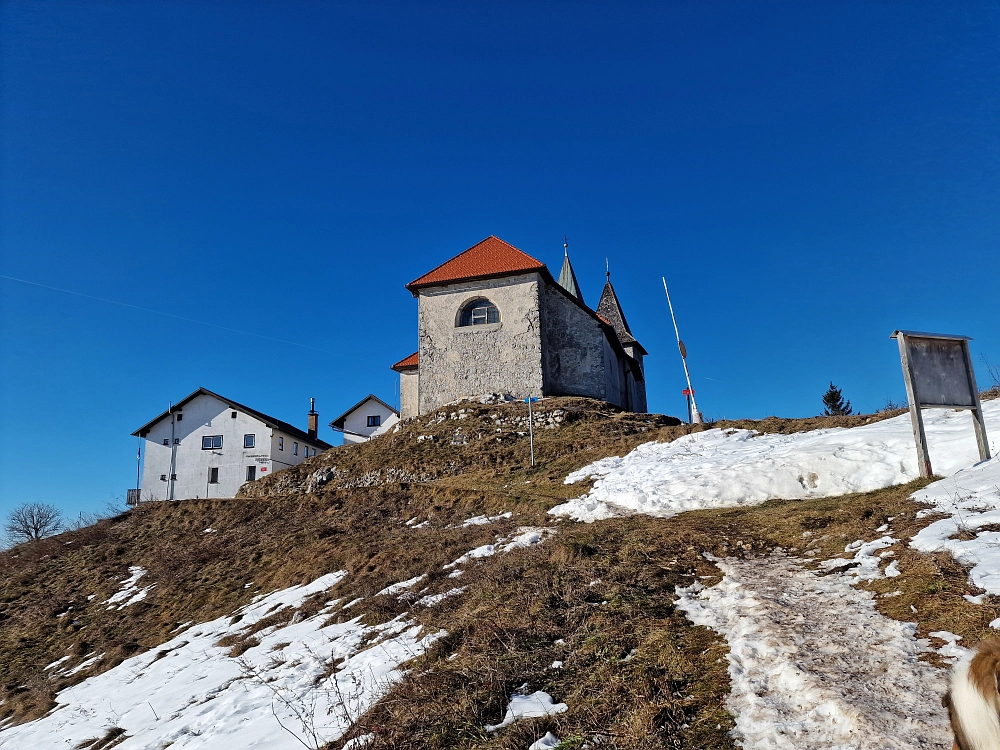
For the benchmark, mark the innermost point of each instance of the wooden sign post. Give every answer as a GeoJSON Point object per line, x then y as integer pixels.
{"type": "Point", "coordinates": [937, 369]}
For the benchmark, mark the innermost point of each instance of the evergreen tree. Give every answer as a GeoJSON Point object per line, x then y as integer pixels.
{"type": "Point", "coordinates": [834, 404]}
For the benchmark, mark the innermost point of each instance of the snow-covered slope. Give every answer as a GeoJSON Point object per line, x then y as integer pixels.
{"type": "Point", "coordinates": [723, 468]}
{"type": "Point", "coordinates": [190, 693]}
{"type": "Point", "coordinates": [971, 499]}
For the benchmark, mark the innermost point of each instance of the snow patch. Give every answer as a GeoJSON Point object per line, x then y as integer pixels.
{"type": "Point", "coordinates": [723, 468]}
{"type": "Point", "coordinates": [531, 706]}
{"type": "Point", "coordinates": [205, 699]}
{"type": "Point", "coordinates": [129, 593]}
{"type": "Point", "coordinates": [526, 536]}
{"type": "Point", "coordinates": [971, 500]}
{"type": "Point", "coordinates": [401, 586]}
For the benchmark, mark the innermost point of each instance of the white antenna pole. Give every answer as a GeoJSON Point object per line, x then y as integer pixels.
{"type": "Point", "coordinates": [696, 417]}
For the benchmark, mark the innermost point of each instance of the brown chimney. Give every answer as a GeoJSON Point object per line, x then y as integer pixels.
{"type": "Point", "coordinates": [313, 419]}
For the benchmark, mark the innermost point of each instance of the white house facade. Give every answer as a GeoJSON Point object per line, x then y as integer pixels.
{"type": "Point", "coordinates": [209, 446]}
{"type": "Point", "coordinates": [370, 417]}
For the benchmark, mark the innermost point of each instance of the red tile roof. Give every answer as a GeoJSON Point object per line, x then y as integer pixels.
{"type": "Point", "coordinates": [491, 257]}
{"type": "Point", "coordinates": [407, 363]}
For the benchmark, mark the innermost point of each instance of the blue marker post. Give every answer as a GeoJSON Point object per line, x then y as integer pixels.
{"type": "Point", "coordinates": [531, 429]}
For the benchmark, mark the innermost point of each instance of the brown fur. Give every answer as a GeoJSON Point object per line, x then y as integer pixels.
{"type": "Point", "coordinates": [984, 674]}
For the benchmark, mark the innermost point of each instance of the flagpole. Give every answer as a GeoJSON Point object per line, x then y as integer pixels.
{"type": "Point", "coordinates": [696, 417]}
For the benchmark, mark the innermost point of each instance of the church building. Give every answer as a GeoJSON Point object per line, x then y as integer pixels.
{"type": "Point", "coordinates": [494, 320]}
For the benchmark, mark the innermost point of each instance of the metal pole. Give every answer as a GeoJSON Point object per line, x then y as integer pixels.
{"type": "Point", "coordinates": [695, 414]}
{"type": "Point", "coordinates": [173, 454]}
{"type": "Point", "coordinates": [531, 433]}
{"type": "Point", "coordinates": [138, 469]}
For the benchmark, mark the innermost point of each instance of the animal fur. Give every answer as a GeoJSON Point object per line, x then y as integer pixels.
{"type": "Point", "coordinates": [973, 702]}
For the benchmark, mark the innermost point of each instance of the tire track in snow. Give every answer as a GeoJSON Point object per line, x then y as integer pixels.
{"type": "Point", "coordinates": [814, 664]}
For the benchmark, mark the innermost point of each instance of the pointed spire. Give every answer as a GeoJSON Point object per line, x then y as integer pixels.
{"type": "Point", "coordinates": [611, 310]}
{"type": "Point", "coordinates": [567, 278]}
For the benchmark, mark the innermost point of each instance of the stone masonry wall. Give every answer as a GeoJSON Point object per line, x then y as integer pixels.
{"type": "Point", "coordinates": [408, 394]}
{"type": "Point", "coordinates": [572, 348]}
{"type": "Point", "coordinates": [504, 357]}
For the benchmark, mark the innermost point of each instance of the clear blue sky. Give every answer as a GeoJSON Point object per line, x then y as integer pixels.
{"type": "Point", "coordinates": [808, 177]}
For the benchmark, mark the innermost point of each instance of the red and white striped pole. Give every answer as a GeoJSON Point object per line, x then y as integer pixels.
{"type": "Point", "coordinates": [696, 417]}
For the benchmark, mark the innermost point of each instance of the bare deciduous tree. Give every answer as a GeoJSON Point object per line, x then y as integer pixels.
{"type": "Point", "coordinates": [31, 521]}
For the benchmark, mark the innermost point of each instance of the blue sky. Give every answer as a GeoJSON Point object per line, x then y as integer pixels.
{"type": "Point", "coordinates": [807, 176]}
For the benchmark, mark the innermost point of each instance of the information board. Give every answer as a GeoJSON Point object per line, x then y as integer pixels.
{"type": "Point", "coordinates": [938, 372]}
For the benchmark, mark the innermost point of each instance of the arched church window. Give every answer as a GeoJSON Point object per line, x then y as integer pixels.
{"type": "Point", "coordinates": [479, 312]}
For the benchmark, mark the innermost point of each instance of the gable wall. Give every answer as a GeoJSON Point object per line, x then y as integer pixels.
{"type": "Point", "coordinates": [204, 415]}
{"type": "Point", "coordinates": [505, 357]}
{"type": "Point", "coordinates": [356, 423]}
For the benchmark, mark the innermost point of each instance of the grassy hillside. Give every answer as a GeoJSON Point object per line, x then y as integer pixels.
{"type": "Point", "coordinates": [596, 597]}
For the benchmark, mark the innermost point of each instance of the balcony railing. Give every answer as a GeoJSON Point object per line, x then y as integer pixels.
{"type": "Point", "coordinates": [133, 497]}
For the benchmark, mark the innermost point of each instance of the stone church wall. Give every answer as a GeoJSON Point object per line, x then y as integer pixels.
{"type": "Point", "coordinates": [504, 357]}
{"type": "Point", "coordinates": [408, 394]}
{"type": "Point", "coordinates": [572, 348]}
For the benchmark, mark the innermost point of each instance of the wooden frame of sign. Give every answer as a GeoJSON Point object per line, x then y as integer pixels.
{"type": "Point", "coordinates": [937, 369]}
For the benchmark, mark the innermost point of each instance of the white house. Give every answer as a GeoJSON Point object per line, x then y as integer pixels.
{"type": "Point", "coordinates": [369, 417]}
{"type": "Point", "coordinates": [208, 445]}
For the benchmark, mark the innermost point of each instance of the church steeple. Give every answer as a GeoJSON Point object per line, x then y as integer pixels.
{"type": "Point", "coordinates": [611, 310]}
{"type": "Point", "coordinates": [567, 278]}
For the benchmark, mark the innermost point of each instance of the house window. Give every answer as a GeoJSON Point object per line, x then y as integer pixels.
{"type": "Point", "coordinates": [479, 312]}
{"type": "Point", "coordinates": [295, 449]}
{"type": "Point", "coordinates": [213, 475]}
{"type": "Point", "coordinates": [249, 440]}
{"type": "Point", "coordinates": [177, 441]}
{"type": "Point", "coordinates": [233, 415]}
{"type": "Point", "coordinates": [166, 441]}
{"type": "Point", "coordinates": [374, 421]}
{"type": "Point", "coordinates": [251, 473]}
{"type": "Point", "coordinates": [163, 477]}
{"type": "Point", "coordinates": [211, 442]}
{"type": "Point", "coordinates": [180, 417]}
{"type": "Point", "coordinates": [281, 444]}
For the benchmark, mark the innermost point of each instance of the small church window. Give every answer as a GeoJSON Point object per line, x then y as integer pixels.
{"type": "Point", "coordinates": [479, 312]}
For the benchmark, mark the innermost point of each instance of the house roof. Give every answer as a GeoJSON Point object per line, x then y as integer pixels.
{"type": "Point", "coordinates": [269, 421]}
{"type": "Point", "coordinates": [338, 423]}
{"type": "Point", "coordinates": [610, 311]}
{"type": "Point", "coordinates": [487, 259]}
{"type": "Point", "coordinates": [407, 363]}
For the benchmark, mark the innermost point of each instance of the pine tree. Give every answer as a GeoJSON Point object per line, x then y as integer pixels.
{"type": "Point", "coordinates": [834, 404]}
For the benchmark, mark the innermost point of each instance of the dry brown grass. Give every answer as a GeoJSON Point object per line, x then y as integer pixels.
{"type": "Point", "coordinates": [635, 671]}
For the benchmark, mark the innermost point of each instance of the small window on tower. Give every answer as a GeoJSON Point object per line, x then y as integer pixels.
{"type": "Point", "coordinates": [479, 312]}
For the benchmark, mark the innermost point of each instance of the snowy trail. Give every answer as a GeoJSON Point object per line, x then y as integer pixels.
{"type": "Point", "coordinates": [814, 664]}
